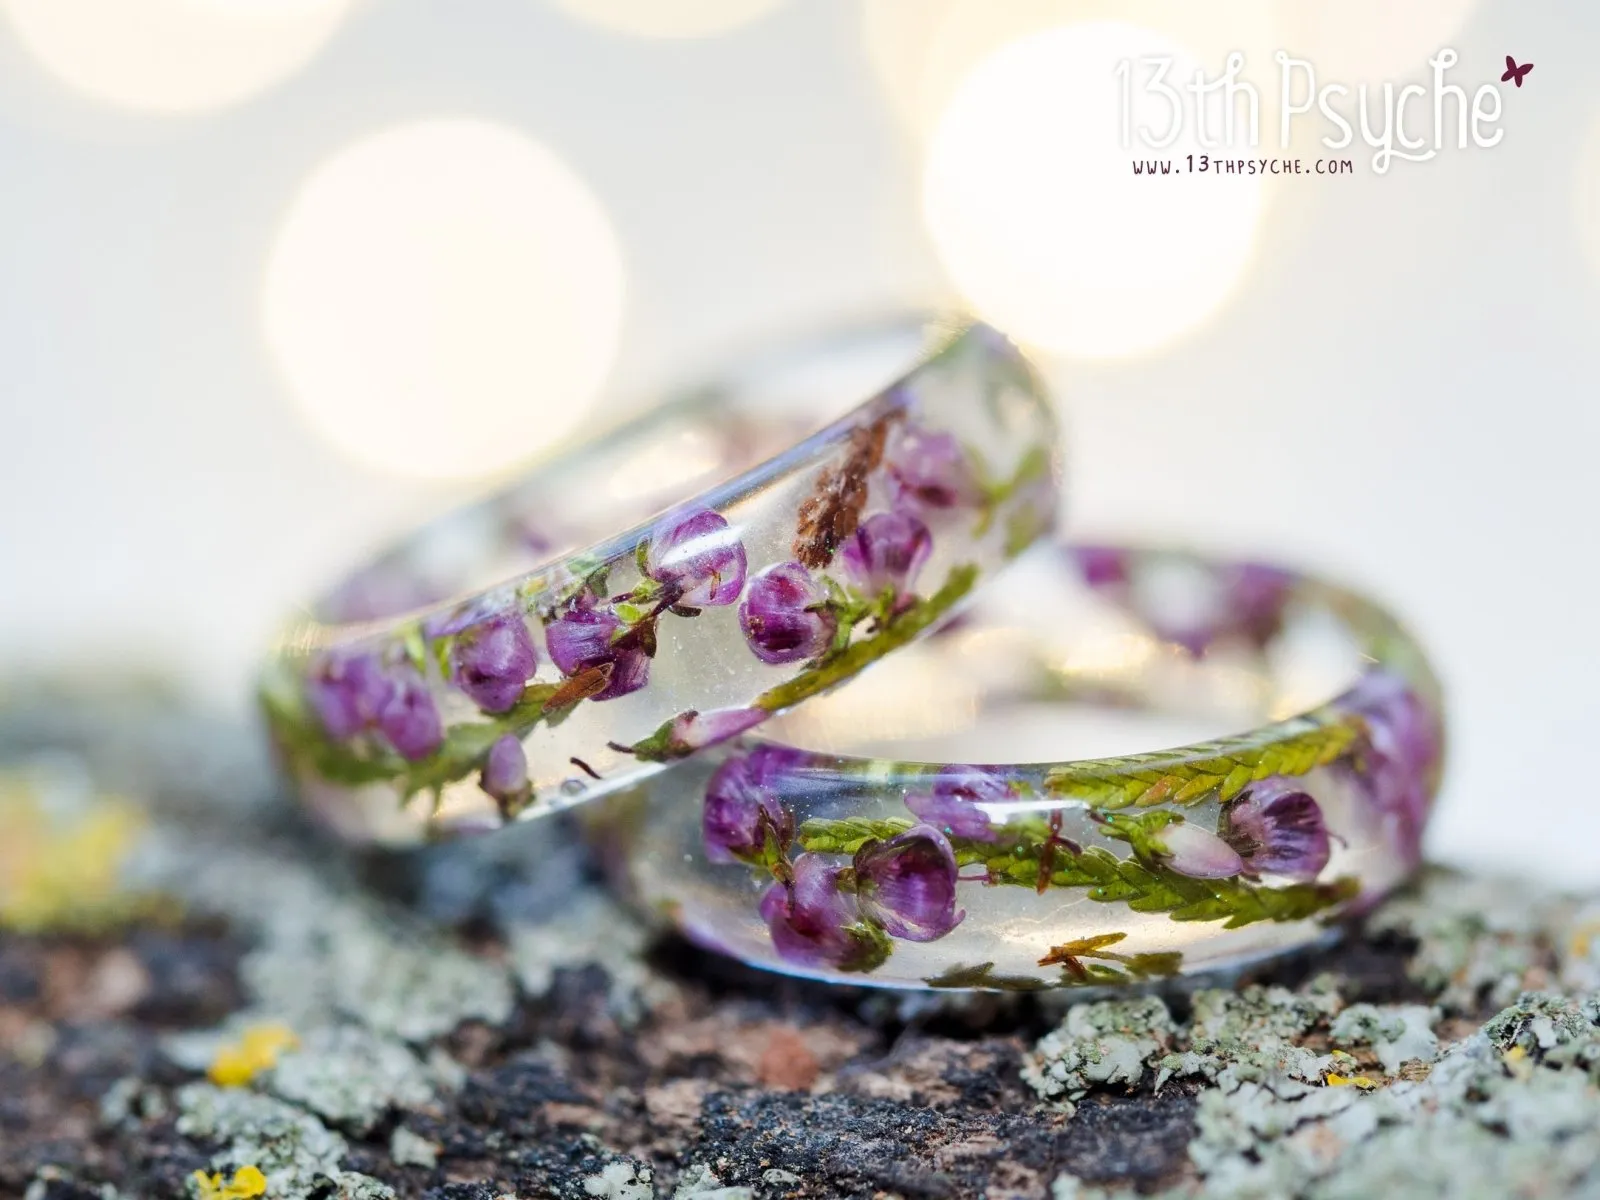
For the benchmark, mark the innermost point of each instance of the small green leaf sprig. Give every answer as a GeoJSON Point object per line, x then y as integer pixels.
{"type": "Point", "coordinates": [1217, 770]}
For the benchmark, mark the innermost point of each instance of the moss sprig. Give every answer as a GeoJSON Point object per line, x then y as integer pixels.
{"type": "Point", "coordinates": [1217, 770]}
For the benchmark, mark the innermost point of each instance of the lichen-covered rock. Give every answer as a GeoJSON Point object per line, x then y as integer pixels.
{"type": "Point", "coordinates": [351, 1077]}
{"type": "Point", "coordinates": [299, 1156]}
{"type": "Point", "coordinates": [1397, 1034]}
{"type": "Point", "coordinates": [1110, 1042]}
{"type": "Point", "coordinates": [1254, 1034]}
{"type": "Point", "coordinates": [482, 1033]}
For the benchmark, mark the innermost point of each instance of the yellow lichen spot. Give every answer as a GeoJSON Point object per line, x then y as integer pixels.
{"type": "Point", "coordinates": [246, 1183]}
{"type": "Point", "coordinates": [1516, 1054]}
{"type": "Point", "coordinates": [257, 1050]}
{"type": "Point", "coordinates": [1581, 942]}
{"type": "Point", "coordinates": [61, 862]}
{"type": "Point", "coordinates": [1365, 1083]}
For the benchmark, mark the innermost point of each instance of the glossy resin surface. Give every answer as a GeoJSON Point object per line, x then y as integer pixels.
{"type": "Point", "coordinates": [668, 586]}
{"type": "Point", "coordinates": [844, 860]}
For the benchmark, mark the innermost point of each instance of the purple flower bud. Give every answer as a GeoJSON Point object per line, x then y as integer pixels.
{"type": "Point", "coordinates": [814, 924]}
{"type": "Point", "coordinates": [1278, 830]}
{"type": "Point", "coordinates": [1101, 566]}
{"type": "Point", "coordinates": [1256, 594]}
{"type": "Point", "coordinates": [492, 659]}
{"type": "Point", "coordinates": [698, 552]}
{"type": "Point", "coordinates": [907, 885]}
{"type": "Point", "coordinates": [586, 636]}
{"type": "Point", "coordinates": [505, 774]}
{"type": "Point", "coordinates": [1198, 853]}
{"type": "Point", "coordinates": [693, 730]}
{"type": "Point", "coordinates": [1401, 756]}
{"type": "Point", "coordinates": [785, 617]}
{"type": "Point", "coordinates": [952, 804]}
{"type": "Point", "coordinates": [886, 552]}
{"type": "Point", "coordinates": [409, 718]}
{"type": "Point", "coordinates": [347, 692]}
{"type": "Point", "coordinates": [929, 470]}
{"type": "Point", "coordinates": [744, 806]}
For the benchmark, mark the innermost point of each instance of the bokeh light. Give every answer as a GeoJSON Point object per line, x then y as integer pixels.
{"type": "Point", "coordinates": [1369, 41]}
{"type": "Point", "coordinates": [1030, 197]}
{"type": "Point", "coordinates": [173, 56]}
{"type": "Point", "coordinates": [923, 50]}
{"type": "Point", "coordinates": [668, 18]}
{"type": "Point", "coordinates": [444, 297]}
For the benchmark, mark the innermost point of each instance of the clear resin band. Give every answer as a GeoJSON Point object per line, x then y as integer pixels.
{"type": "Point", "coordinates": [848, 861]}
{"type": "Point", "coordinates": [668, 586]}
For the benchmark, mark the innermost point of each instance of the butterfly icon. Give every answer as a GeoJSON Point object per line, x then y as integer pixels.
{"type": "Point", "coordinates": [1515, 73]}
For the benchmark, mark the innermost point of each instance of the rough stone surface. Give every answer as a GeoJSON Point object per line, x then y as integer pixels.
{"type": "Point", "coordinates": [468, 1032]}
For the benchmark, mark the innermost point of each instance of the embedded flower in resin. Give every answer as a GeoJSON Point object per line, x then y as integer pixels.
{"type": "Point", "coordinates": [1198, 853]}
{"type": "Point", "coordinates": [1101, 566]}
{"type": "Point", "coordinates": [1400, 759]}
{"type": "Point", "coordinates": [886, 553]}
{"type": "Point", "coordinates": [952, 802]}
{"type": "Point", "coordinates": [785, 615]}
{"type": "Point", "coordinates": [928, 469]}
{"type": "Point", "coordinates": [505, 774]}
{"type": "Point", "coordinates": [409, 718]}
{"type": "Point", "coordinates": [692, 731]}
{"type": "Point", "coordinates": [357, 693]}
{"type": "Point", "coordinates": [347, 692]}
{"type": "Point", "coordinates": [1278, 829]}
{"type": "Point", "coordinates": [814, 923]}
{"type": "Point", "coordinates": [907, 884]}
{"type": "Point", "coordinates": [1257, 593]}
{"type": "Point", "coordinates": [587, 636]}
{"type": "Point", "coordinates": [699, 555]}
{"type": "Point", "coordinates": [742, 809]}
{"type": "Point", "coordinates": [492, 659]}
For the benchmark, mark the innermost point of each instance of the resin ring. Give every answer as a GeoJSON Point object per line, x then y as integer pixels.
{"type": "Point", "coordinates": [594, 623]}
{"type": "Point", "coordinates": [841, 862]}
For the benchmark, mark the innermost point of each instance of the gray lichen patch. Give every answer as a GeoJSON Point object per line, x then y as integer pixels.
{"type": "Point", "coordinates": [351, 1077]}
{"type": "Point", "coordinates": [621, 1180]}
{"type": "Point", "coordinates": [1109, 1042]}
{"type": "Point", "coordinates": [593, 931]}
{"type": "Point", "coordinates": [1481, 942]}
{"type": "Point", "coordinates": [299, 1156]}
{"type": "Point", "coordinates": [1397, 1034]}
{"type": "Point", "coordinates": [324, 952]}
{"type": "Point", "coordinates": [1255, 1034]}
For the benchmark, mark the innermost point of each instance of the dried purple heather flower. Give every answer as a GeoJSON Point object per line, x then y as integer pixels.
{"type": "Point", "coordinates": [1101, 566]}
{"type": "Point", "coordinates": [693, 730]}
{"type": "Point", "coordinates": [492, 659]}
{"type": "Point", "coordinates": [1278, 830]}
{"type": "Point", "coordinates": [1256, 595]}
{"type": "Point", "coordinates": [505, 774]}
{"type": "Point", "coordinates": [347, 692]}
{"type": "Point", "coordinates": [1198, 853]}
{"type": "Point", "coordinates": [785, 615]}
{"type": "Point", "coordinates": [929, 470]}
{"type": "Point", "coordinates": [409, 718]}
{"type": "Point", "coordinates": [952, 804]}
{"type": "Point", "coordinates": [743, 806]}
{"type": "Point", "coordinates": [1401, 755]}
{"type": "Point", "coordinates": [815, 924]}
{"type": "Point", "coordinates": [885, 553]}
{"type": "Point", "coordinates": [698, 553]}
{"type": "Point", "coordinates": [907, 885]}
{"type": "Point", "coordinates": [585, 637]}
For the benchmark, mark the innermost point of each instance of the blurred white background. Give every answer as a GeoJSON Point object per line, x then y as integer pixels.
{"type": "Point", "coordinates": [280, 276]}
